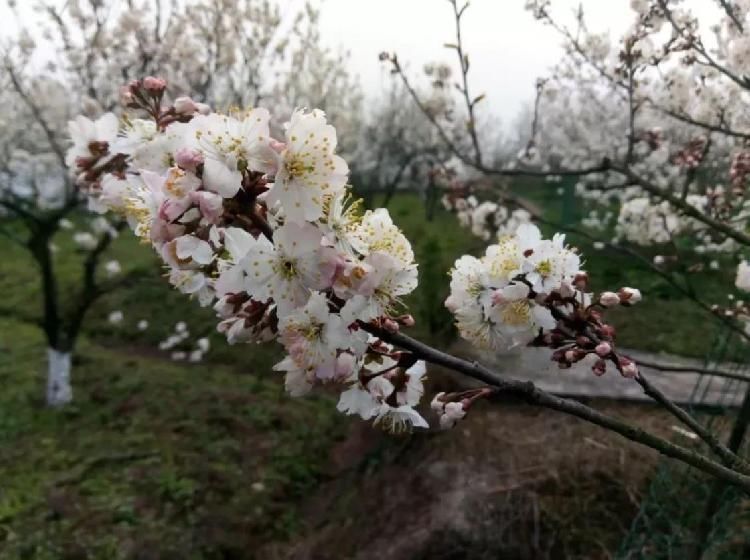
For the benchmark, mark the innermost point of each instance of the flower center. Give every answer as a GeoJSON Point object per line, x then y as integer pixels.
{"type": "Point", "coordinates": [295, 166]}
{"type": "Point", "coordinates": [505, 266]}
{"type": "Point", "coordinates": [544, 267]}
{"type": "Point", "coordinates": [171, 184]}
{"type": "Point", "coordinates": [313, 332]}
{"type": "Point", "coordinates": [517, 313]}
{"type": "Point", "coordinates": [135, 209]}
{"type": "Point", "coordinates": [287, 269]}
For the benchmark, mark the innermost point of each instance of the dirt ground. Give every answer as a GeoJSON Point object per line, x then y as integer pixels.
{"type": "Point", "coordinates": [511, 481]}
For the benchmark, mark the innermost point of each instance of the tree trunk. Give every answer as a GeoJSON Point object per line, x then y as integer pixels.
{"type": "Point", "coordinates": [59, 390]}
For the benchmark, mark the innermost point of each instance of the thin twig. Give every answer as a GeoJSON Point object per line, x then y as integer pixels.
{"type": "Point", "coordinates": [727, 456]}
{"type": "Point", "coordinates": [729, 9]}
{"type": "Point", "coordinates": [675, 368]}
{"type": "Point", "coordinates": [463, 60]}
{"type": "Point", "coordinates": [481, 167]}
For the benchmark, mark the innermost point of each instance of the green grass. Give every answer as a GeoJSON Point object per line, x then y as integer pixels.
{"type": "Point", "coordinates": [154, 457]}
{"type": "Point", "coordinates": [182, 461]}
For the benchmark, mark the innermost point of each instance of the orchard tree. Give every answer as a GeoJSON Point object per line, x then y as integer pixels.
{"type": "Point", "coordinates": [72, 59]}
{"type": "Point", "coordinates": [398, 147]}
{"type": "Point", "coordinates": [651, 126]}
{"type": "Point", "coordinates": [37, 198]}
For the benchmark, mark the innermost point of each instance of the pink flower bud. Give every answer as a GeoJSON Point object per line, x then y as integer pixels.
{"type": "Point", "coordinates": [390, 325]}
{"type": "Point", "coordinates": [154, 85]}
{"type": "Point", "coordinates": [497, 297]}
{"type": "Point", "coordinates": [583, 341]}
{"type": "Point", "coordinates": [629, 295]}
{"type": "Point", "coordinates": [609, 299]}
{"type": "Point", "coordinates": [203, 109]}
{"type": "Point", "coordinates": [627, 367]}
{"type": "Point", "coordinates": [567, 289]}
{"type": "Point", "coordinates": [599, 367]}
{"type": "Point", "coordinates": [581, 279]}
{"type": "Point", "coordinates": [570, 356]}
{"type": "Point", "coordinates": [188, 158]}
{"type": "Point", "coordinates": [453, 412]}
{"type": "Point", "coordinates": [407, 320]}
{"type": "Point", "coordinates": [126, 96]}
{"type": "Point", "coordinates": [344, 365]}
{"type": "Point", "coordinates": [211, 205]}
{"type": "Point", "coordinates": [185, 106]}
{"type": "Point", "coordinates": [558, 356]}
{"type": "Point", "coordinates": [277, 146]}
{"type": "Point", "coordinates": [437, 403]}
{"type": "Point", "coordinates": [603, 349]}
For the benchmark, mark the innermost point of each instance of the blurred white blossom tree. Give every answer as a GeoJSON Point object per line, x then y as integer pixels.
{"type": "Point", "coordinates": [72, 58]}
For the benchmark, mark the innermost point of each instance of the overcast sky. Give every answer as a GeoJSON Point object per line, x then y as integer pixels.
{"type": "Point", "coordinates": [508, 49]}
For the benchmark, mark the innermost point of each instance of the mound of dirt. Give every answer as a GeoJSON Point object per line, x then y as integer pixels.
{"type": "Point", "coordinates": [511, 481]}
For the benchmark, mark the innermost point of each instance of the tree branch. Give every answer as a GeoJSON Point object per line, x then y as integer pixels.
{"type": "Point", "coordinates": [537, 397]}
{"type": "Point", "coordinates": [683, 206]}
{"type": "Point", "coordinates": [693, 369]}
{"type": "Point", "coordinates": [729, 9]}
{"type": "Point", "coordinates": [496, 171]}
{"type": "Point", "coordinates": [727, 456]}
{"type": "Point", "coordinates": [90, 291]}
{"type": "Point", "coordinates": [38, 115]}
{"type": "Point", "coordinates": [463, 60]}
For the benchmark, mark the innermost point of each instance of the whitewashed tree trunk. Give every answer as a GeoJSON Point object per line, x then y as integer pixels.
{"type": "Point", "coordinates": [59, 390]}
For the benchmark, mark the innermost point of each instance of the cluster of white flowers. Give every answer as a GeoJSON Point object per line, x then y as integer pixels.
{"type": "Point", "coordinates": [265, 231]}
{"type": "Point", "coordinates": [530, 290]}
{"type": "Point", "coordinates": [180, 346]}
{"type": "Point", "coordinates": [646, 222]}
{"type": "Point", "coordinates": [498, 300]}
{"type": "Point", "coordinates": [487, 220]}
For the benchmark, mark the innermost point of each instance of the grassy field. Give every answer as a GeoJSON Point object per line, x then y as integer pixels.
{"type": "Point", "coordinates": [154, 457]}
{"type": "Point", "coordinates": [158, 459]}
